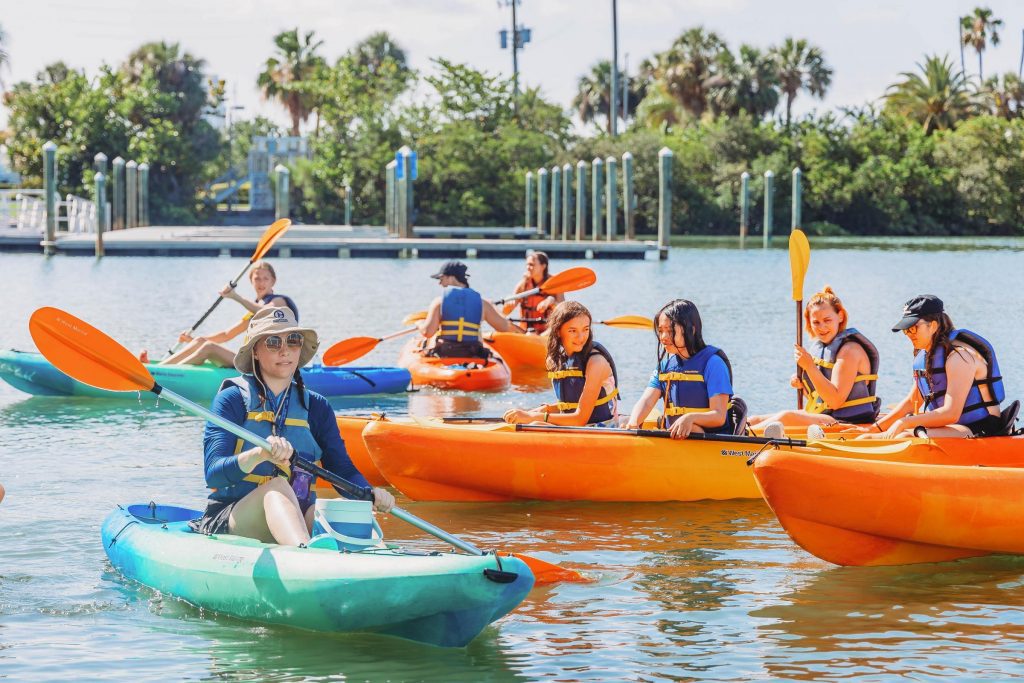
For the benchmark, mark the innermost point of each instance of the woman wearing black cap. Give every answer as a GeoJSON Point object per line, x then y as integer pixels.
{"type": "Point", "coordinates": [455, 316]}
{"type": "Point", "coordinates": [957, 386]}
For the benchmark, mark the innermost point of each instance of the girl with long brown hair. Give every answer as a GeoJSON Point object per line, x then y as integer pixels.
{"type": "Point", "coordinates": [581, 370]}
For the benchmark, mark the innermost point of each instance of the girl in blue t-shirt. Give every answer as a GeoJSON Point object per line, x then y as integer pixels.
{"type": "Point", "coordinates": [693, 379]}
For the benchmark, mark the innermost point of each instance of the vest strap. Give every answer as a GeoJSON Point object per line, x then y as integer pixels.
{"type": "Point", "coordinates": [460, 328]}
{"type": "Point", "coordinates": [563, 406]}
{"type": "Point", "coordinates": [562, 374]}
{"type": "Point", "coordinates": [680, 377]}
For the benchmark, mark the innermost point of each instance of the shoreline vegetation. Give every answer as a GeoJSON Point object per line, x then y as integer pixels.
{"type": "Point", "coordinates": [939, 153]}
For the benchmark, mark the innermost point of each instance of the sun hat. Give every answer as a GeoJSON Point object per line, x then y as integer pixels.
{"type": "Point", "coordinates": [917, 308]}
{"type": "Point", "coordinates": [273, 320]}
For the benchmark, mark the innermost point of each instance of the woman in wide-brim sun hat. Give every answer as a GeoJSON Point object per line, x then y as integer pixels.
{"type": "Point", "coordinates": [255, 492]}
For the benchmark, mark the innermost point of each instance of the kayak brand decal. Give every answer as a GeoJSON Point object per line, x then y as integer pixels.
{"type": "Point", "coordinates": [741, 454]}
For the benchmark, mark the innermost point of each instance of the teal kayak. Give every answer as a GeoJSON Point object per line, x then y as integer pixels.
{"type": "Point", "coordinates": [436, 598]}
{"type": "Point", "coordinates": [33, 374]}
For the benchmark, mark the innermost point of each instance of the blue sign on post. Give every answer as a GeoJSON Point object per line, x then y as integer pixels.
{"type": "Point", "coordinates": [412, 165]}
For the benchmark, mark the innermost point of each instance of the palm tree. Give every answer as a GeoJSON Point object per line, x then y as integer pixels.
{"type": "Point", "coordinates": [372, 52]}
{"type": "Point", "coordinates": [283, 74]}
{"type": "Point", "coordinates": [750, 84]}
{"type": "Point", "coordinates": [689, 69]}
{"type": "Point", "coordinates": [938, 97]}
{"type": "Point", "coordinates": [175, 72]}
{"type": "Point", "coordinates": [658, 109]}
{"type": "Point", "coordinates": [592, 99]}
{"type": "Point", "coordinates": [978, 30]}
{"type": "Point", "coordinates": [801, 66]}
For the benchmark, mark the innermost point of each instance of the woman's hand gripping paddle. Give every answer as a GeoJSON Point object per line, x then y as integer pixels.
{"type": "Point", "coordinates": [799, 259]}
{"type": "Point", "coordinates": [270, 235]}
{"type": "Point", "coordinates": [348, 350]}
{"type": "Point", "coordinates": [86, 354]}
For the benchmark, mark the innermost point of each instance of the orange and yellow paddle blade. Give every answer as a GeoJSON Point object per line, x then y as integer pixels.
{"type": "Point", "coordinates": [83, 352]}
{"type": "Point", "coordinates": [270, 235]}
{"type": "Point", "coordinates": [799, 259]}
{"type": "Point", "coordinates": [414, 317]}
{"type": "Point", "coordinates": [570, 280]}
{"type": "Point", "coordinates": [630, 322]}
{"type": "Point", "coordinates": [547, 573]}
{"type": "Point", "coordinates": [348, 350]}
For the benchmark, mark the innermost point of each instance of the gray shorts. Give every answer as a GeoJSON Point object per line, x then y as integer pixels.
{"type": "Point", "coordinates": [215, 518]}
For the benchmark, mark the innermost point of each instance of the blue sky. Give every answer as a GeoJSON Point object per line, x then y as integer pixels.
{"type": "Point", "coordinates": [868, 42]}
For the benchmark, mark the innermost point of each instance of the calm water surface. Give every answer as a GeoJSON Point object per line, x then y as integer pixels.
{"type": "Point", "coordinates": [685, 591]}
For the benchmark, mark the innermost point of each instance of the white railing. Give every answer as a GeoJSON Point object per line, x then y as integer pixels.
{"type": "Point", "coordinates": [26, 210]}
{"type": "Point", "coordinates": [12, 203]}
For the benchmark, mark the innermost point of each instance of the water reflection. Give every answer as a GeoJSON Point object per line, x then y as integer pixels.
{"type": "Point", "coordinates": [938, 612]}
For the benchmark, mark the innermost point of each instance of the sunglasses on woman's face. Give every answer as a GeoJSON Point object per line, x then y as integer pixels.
{"type": "Point", "coordinates": [273, 342]}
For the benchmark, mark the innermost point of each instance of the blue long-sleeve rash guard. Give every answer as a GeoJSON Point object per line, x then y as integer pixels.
{"type": "Point", "coordinates": [221, 463]}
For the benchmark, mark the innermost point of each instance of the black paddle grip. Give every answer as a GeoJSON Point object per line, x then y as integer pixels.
{"type": "Point", "coordinates": [357, 492]}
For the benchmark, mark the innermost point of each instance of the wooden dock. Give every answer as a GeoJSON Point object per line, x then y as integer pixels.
{"type": "Point", "coordinates": [331, 241]}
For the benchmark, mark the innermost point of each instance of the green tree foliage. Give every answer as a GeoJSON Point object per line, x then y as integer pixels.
{"type": "Point", "coordinates": [473, 148]}
{"type": "Point", "coordinates": [286, 74]}
{"type": "Point", "coordinates": [149, 109]}
{"type": "Point", "coordinates": [978, 30]}
{"type": "Point", "coordinates": [938, 97]}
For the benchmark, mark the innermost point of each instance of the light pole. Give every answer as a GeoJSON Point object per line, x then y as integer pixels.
{"type": "Point", "coordinates": [519, 38]}
{"type": "Point", "coordinates": [612, 108]}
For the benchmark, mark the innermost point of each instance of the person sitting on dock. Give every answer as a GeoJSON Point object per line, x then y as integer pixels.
{"type": "Point", "coordinates": [256, 493]}
{"type": "Point", "coordinates": [536, 308]}
{"type": "Point", "coordinates": [694, 379]}
{"type": "Point", "coordinates": [582, 374]}
{"type": "Point", "coordinates": [455, 316]}
{"type": "Point", "coordinates": [210, 348]}
{"type": "Point", "coordinates": [957, 384]}
{"type": "Point", "coordinates": [838, 375]}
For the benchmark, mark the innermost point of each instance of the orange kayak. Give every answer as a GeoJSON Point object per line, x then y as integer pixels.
{"type": "Point", "coordinates": [868, 512]}
{"type": "Point", "coordinates": [351, 428]}
{"type": "Point", "coordinates": [427, 459]}
{"type": "Point", "coordinates": [465, 374]}
{"type": "Point", "coordinates": [527, 351]}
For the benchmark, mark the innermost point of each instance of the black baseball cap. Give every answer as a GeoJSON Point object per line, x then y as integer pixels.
{"type": "Point", "coordinates": [456, 269]}
{"type": "Point", "coordinates": [916, 308]}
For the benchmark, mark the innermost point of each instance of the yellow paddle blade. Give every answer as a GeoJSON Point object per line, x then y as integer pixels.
{"type": "Point", "coordinates": [414, 317]}
{"type": "Point", "coordinates": [83, 352]}
{"type": "Point", "coordinates": [629, 322]}
{"type": "Point", "coordinates": [270, 235]}
{"type": "Point", "coordinates": [348, 350]}
{"type": "Point", "coordinates": [570, 280]}
{"type": "Point", "coordinates": [799, 259]}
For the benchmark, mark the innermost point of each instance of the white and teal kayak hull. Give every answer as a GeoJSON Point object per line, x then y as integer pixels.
{"type": "Point", "coordinates": [442, 599]}
{"type": "Point", "coordinates": [32, 373]}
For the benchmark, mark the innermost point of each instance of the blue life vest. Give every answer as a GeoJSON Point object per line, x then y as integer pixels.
{"type": "Point", "coordinates": [287, 299]}
{"type": "Point", "coordinates": [686, 390]}
{"type": "Point", "coordinates": [569, 379]}
{"type": "Point", "coordinates": [462, 309]}
{"type": "Point", "coordinates": [261, 420]}
{"type": "Point", "coordinates": [862, 405]}
{"type": "Point", "coordinates": [934, 390]}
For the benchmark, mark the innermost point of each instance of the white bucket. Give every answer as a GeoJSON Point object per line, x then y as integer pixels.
{"type": "Point", "coordinates": [350, 522]}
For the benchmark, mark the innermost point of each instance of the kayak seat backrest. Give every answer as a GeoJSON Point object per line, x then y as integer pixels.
{"type": "Point", "coordinates": [161, 514]}
{"type": "Point", "coordinates": [1008, 419]}
{"type": "Point", "coordinates": [739, 412]}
